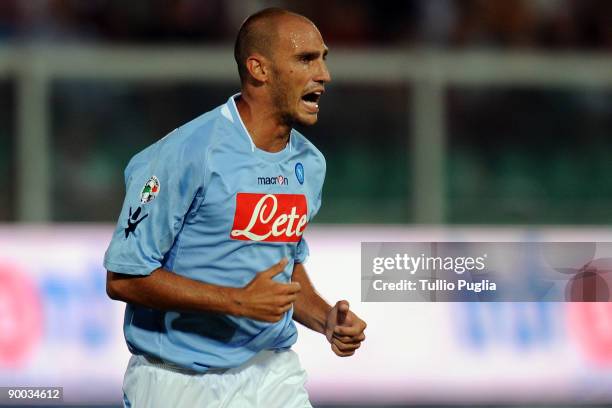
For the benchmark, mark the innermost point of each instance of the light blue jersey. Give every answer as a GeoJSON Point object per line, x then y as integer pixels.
{"type": "Point", "coordinates": [205, 203]}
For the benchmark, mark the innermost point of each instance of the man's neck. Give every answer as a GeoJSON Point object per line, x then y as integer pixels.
{"type": "Point", "coordinates": [263, 124]}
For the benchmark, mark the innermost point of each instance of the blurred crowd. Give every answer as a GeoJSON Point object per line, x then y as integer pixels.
{"type": "Point", "coordinates": [515, 154]}
{"type": "Point", "coordinates": [551, 24]}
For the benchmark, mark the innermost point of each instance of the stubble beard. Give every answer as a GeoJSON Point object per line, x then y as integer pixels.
{"type": "Point", "coordinates": [280, 99]}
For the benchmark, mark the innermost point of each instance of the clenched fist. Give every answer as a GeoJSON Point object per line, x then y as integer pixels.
{"type": "Point", "coordinates": [344, 330]}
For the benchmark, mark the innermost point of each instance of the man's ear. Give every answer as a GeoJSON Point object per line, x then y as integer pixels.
{"type": "Point", "coordinates": [258, 67]}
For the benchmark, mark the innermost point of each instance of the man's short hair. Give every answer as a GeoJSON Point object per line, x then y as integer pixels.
{"type": "Point", "coordinates": [257, 34]}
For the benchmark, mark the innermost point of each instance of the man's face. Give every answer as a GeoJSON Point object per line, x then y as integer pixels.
{"type": "Point", "coordinates": [299, 72]}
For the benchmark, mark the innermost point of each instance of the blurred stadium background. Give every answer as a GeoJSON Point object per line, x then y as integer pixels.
{"type": "Point", "coordinates": [446, 119]}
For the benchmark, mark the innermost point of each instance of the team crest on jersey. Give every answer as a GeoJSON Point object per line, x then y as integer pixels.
{"type": "Point", "coordinates": [150, 190]}
{"type": "Point", "coordinates": [299, 173]}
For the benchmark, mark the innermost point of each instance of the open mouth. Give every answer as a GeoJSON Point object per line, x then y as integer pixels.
{"type": "Point", "coordinates": [311, 100]}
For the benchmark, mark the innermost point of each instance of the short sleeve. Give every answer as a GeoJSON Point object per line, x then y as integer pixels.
{"type": "Point", "coordinates": [162, 183]}
{"type": "Point", "coordinates": [302, 251]}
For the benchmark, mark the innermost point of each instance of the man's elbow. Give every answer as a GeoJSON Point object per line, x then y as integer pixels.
{"type": "Point", "coordinates": [111, 286]}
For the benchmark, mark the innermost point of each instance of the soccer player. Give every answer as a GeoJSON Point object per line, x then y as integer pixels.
{"type": "Point", "coordinates": [209, 249]}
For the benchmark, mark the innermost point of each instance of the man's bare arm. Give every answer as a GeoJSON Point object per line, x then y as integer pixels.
{"type": "Point", "coordinates": [342, 328]}
{"type": "Point", "coordinates": [165, 290]}
{"type": "Point", "coordinates": [262, 299]}
{"type": "Point", "coordinates": [309, 309]}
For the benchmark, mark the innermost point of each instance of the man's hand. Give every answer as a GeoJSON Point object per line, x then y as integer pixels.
{"type": "Point", "coordinates": [265, 299]}
{"type": "Point", "coordinates": [344, 330]}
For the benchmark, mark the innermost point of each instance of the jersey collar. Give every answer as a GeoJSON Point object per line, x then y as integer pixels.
{"type": "Point", "coordinates": [237, 120]}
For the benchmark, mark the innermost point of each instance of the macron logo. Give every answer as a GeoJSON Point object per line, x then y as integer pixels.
{"type": "Point", "coordinates": [280, 180]}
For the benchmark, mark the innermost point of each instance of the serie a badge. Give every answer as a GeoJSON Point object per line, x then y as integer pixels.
{"type": "Point", "coordinates": [150, 190]}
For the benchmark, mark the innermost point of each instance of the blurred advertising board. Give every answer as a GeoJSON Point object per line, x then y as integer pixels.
{"type": "Point", "coordinates": [58, 328]}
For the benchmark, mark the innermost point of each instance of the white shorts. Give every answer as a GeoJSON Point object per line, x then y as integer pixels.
{"type": "Point", "coordinates": [271, 379]}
